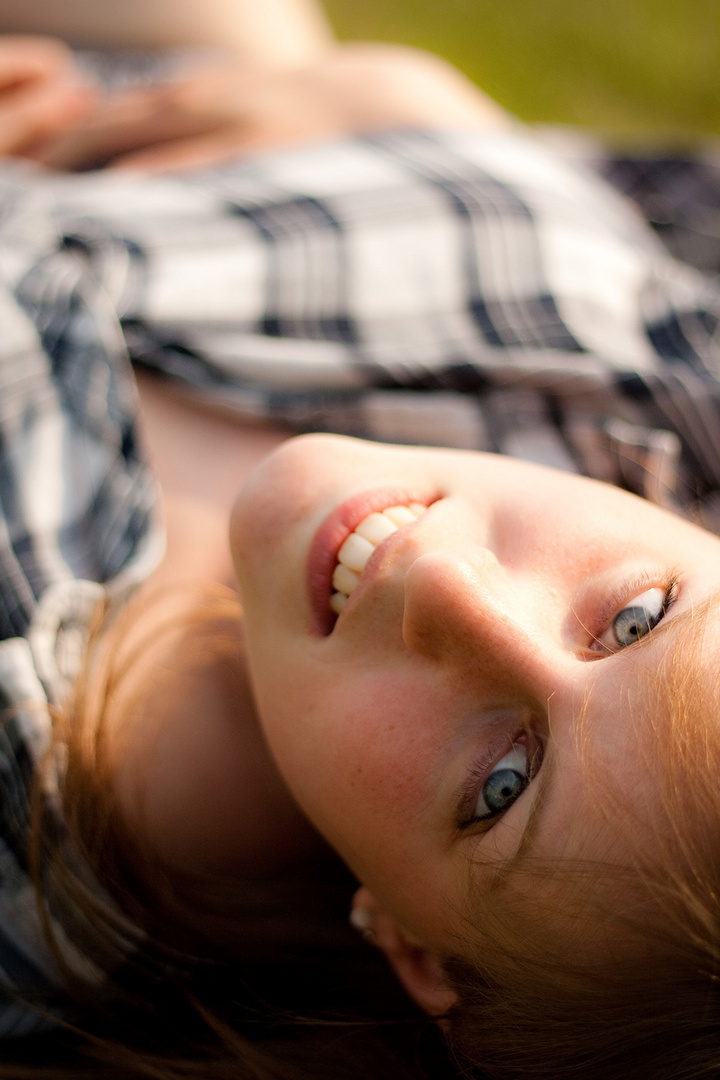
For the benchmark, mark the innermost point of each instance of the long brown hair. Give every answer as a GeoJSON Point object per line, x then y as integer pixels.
{"type": "Point", "coordinates": [301, 997]}
{"type": "Point", "coordinates": [264, 980]}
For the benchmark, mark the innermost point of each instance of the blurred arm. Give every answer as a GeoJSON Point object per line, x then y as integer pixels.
{"type": "Point", "coordinates": [262, 31]}
{"type": "Point", "coordinates": [40, 92]}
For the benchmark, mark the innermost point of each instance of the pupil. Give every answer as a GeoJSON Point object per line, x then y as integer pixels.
{"type": "Point", "coordinates": [502, 788]}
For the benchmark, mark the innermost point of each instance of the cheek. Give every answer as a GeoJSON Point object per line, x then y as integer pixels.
{"type": "Point", "coordinates": [357, 753]}
{"type": "Point", "coordinates": [382, 750]}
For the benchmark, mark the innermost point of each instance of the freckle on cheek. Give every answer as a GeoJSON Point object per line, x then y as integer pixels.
{"type": "Point", "coordinates": [389, 751]}
{"type": "Point", "coordinates": [356, 779]}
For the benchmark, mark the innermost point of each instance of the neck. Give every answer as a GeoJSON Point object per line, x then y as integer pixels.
{"type": "Point", "coordinates": [200, 459]}
{"type": "Point", "coordinates": [193, 772]}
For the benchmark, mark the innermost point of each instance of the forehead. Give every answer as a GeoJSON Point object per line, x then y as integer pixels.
{"type": "Point", "coordinates": [647, 721]}
{"type": "Point", "coordinates": [640, 818]}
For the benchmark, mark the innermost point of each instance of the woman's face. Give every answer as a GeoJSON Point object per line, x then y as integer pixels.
{"type": "Point", "coordinates": [430, 728]}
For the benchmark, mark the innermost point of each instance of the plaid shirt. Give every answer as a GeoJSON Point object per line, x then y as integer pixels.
{"type": "Point", "coordinates": [454, 289]}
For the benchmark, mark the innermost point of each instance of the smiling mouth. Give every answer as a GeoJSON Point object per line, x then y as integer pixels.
{"type": "Point", "coordinates": [360, 545]}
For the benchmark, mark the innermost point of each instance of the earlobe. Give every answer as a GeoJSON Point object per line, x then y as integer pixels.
{"type": "Point", "coordinates": [417, 967]}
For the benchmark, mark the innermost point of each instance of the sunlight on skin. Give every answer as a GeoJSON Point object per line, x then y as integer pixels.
{"type": "Point", "coordinates": [481, 627]}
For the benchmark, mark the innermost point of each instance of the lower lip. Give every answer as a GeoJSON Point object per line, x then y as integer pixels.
{"type": "Point", "coordinates": [328, 540]}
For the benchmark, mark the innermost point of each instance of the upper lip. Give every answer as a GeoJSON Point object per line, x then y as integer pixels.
{"type": "Point", "coordinates": [330, 536]}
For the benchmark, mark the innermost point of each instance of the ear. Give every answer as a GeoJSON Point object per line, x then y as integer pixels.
{"type": "Point", "coordinates": [417, 967]}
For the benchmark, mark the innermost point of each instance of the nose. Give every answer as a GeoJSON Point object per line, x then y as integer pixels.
{"type": "Point", "coordinates": [467, 614]}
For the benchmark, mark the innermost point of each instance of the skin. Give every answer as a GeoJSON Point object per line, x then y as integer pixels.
{"type": "Point", "coordinates": [274, 31]}
{"type": "Point", "coordinates": [190, 764]}
{"type": "Point", "coordinates": [487, 624]}
{"type": "Point", "coordinates": [233, 108]}
{"type": "Point", "coordinates": [41, 94]}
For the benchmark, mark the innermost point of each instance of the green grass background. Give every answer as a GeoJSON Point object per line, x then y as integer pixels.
{"type": "Point", "coordinates": [629, 68]}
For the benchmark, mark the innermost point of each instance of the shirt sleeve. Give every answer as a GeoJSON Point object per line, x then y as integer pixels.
{"type": "Point", "coordinates": [76, 497]}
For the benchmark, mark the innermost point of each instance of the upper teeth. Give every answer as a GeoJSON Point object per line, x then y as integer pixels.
{"type": "Point", "coordinates": [359, 546]}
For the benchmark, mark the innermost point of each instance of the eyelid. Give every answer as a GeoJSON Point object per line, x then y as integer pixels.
{"type": "Point", "coordinates": [621, 597]}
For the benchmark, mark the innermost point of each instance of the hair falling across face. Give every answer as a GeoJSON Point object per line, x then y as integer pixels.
{"type": "Point", "coordinates": [427, 721]}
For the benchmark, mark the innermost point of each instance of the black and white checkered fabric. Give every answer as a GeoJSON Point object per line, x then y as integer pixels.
{"type": "Point", "coordinates": [454, 289]}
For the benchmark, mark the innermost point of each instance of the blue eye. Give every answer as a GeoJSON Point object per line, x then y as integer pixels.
{"type": "Point", "coordinates": [504, 785]}
{"type": "Point", "coordinates": [636, 619]}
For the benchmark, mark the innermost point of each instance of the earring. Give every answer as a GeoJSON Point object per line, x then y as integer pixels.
{"type": "Point", "coordinates": [363, 921]}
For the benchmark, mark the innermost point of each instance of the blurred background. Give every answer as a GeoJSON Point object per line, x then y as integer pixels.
{"type": "Point", "coordinates": [631, 69]}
